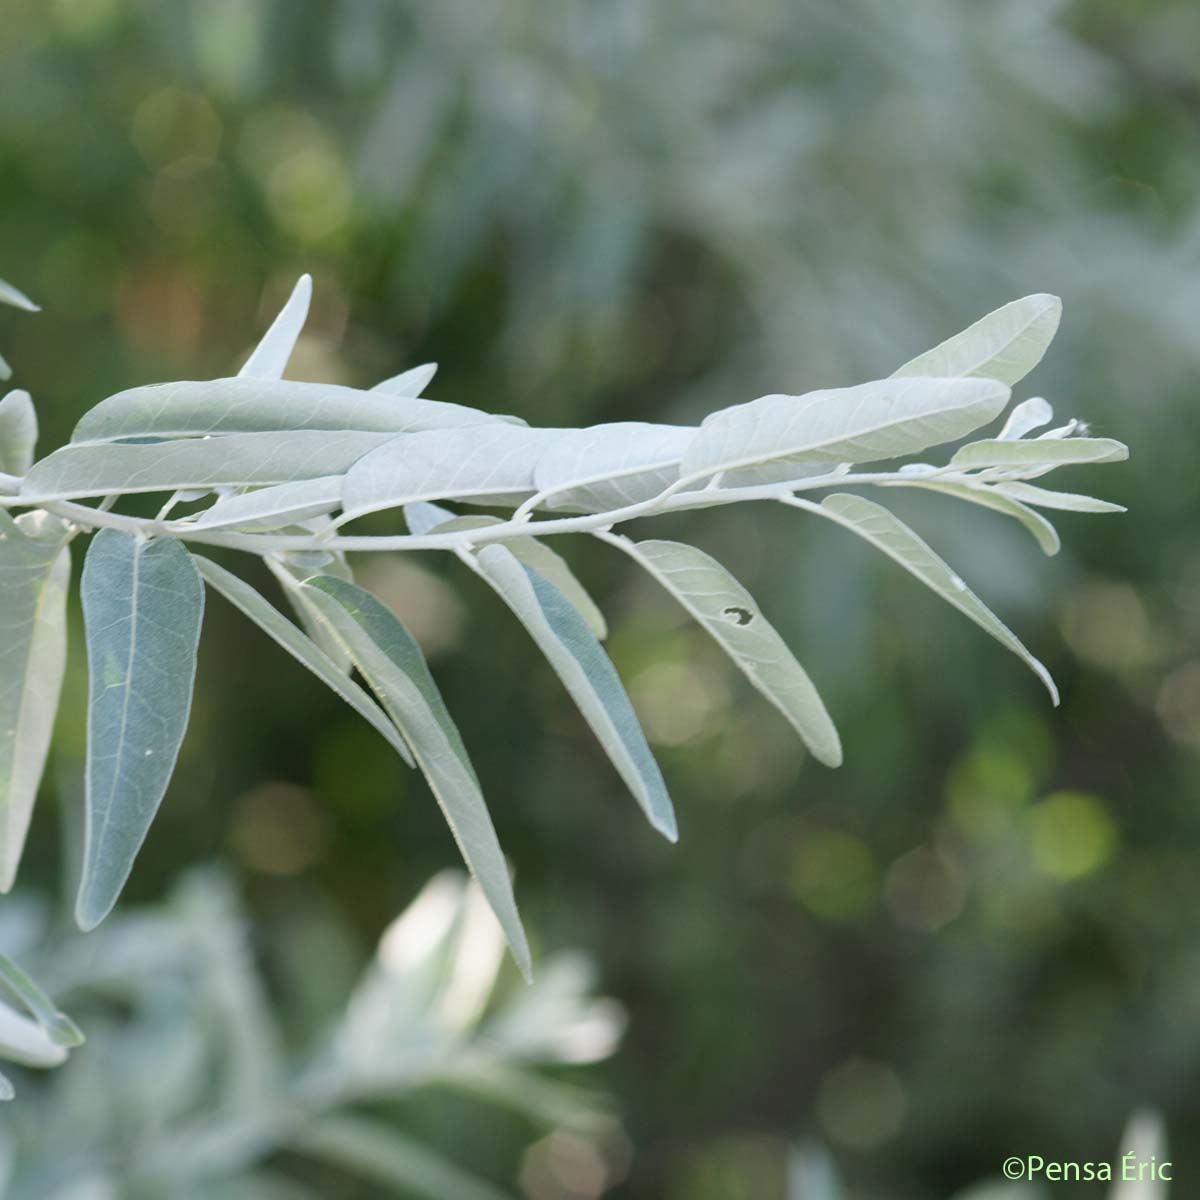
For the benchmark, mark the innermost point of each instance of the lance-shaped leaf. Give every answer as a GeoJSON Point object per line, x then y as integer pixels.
{"type": "Point", "coordinates": [587, 673]}
{"type": "Point", "coordinates": [425, 518]}
{"type": "Point", "coordinates": [302, 648]}
{"type": "Point", "coordinates": [729, 614]}
{"type": "Point", "coordinates": [1040, 452]}
{"type": "Point", "coordinates": [769, 438]}
{"type": "Point", "coordinates": [192, 409]}
{"type": "Point", "coordinates": [142, 606]}
{"type": "Point", "coordinates": [610, 466]}
{"type": "Point", "coordinates": [392, 663]}
{"type": "Point", "coordinates": [1029, 493]}
{"type": "Point", "coordinates": [888, 533]}
{"type": "Point", "coordinates": [1025, 417]}
{"type": "Point", "coordinates": [484, 466]}
{"type": "Point", "coordinates": [408, 383]}
{"type": "Point", "coordinates": [18, 433]}
{"type": "Point", "coordinates": [235, 460]}
{"type": "Point", "coordinates": [1005, 345]}
{"type": "Point", "coordinates": [18, 986]}
{"type": "Point", "coordinates": [35, 571]}
{"type": "Point", "coordinates": [24, 1041]}
{"type": "Point", "coordinates": [273, 507]}
{"type": "Point", "coordinates": [270, 357]}
{"type": "Point", "coordinates": [291, 570]}
{"type": "Point", "coordinates": [18, 299]}
{"type": "Point", "coordinates": [987, 496]}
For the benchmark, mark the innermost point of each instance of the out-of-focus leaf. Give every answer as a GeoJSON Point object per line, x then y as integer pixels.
{"type": "Point", "coordinates": [61, 1030]}
{"type": "Point", "coordinates": [35, 571]}
{"type": "Point", "coordinates": [889, 534]}
{"type": "Point", "coordinates": [588, 675]}
{"type": "Point", "coordinates": [1025, 417]}
{"type": "Point", "coordinates": [730, 615]}
{"type": "Point", "coordinates": [24, 1041]}
{"type": "Point", "coordinates": [811, 1174]}
{"type": "Point", "coordinates": [143, 602]}
{"type": "Point", "coordinates": [235, 460]}
{"type": "Point", "coordinates": [380, 1153]}
{"type": "Point", "coordinates": [272, 622]}
{"type": "Point", "coordinates": [766, 439]}
{"type": "Point", "coordinates": [18, 299]}
{"type": "Point", "coordinates": [194, 409]}
{"type": "Point", "coordinates": [485, 466]}
{"type": "Point", "coordinates": [1143, 1142]}
{"type": "Point", "coordinates": [409, 383]}
{"type": "Point", "coordinates": [1005, 345]}
{"type": "Point", "coordinates": [392, 663]}
{"type": "Point", "coordinates": [18, 433]}
{"type": "Point", "coordinates": [270, 357]}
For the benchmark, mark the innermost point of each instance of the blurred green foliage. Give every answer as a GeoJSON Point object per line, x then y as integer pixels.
{"type": "Point", "coordinates": [973, 940]}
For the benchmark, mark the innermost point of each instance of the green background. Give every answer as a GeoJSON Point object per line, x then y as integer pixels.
{"type": "Point", "coordinates": [977, 938]}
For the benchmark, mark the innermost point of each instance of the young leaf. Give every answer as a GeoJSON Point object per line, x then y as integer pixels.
{"type": "Point", "coordinates": [729, 614]}
{"type": "Point", "coordinates": [142, 607]}
{"type": "Point", "coordinates": [1005, 345]}
{"type": "Point", "coordinates": [276, 626]}
{"type": "Point", "coordinates": [425, 518]}
{"type": "Point", "coordinates": [486, 466]}
{"type": "Point", "coordinates": [1025, 417]}
{"type": "Point", "coordinates": [768, 438]}
{"type": "Point", "coordinates": [409, 383]}
{"type": "Point", "coordinates": [18, 433]}
{"type": "Point", "coordinates": [234, 460]}
{"type": "Point", "coordinates": [1039, 452]}
{"type": "Point", "coordinates": [35, 571]}
{"type": "Point", "coordinates": [1028, 493]}
{"type": "Point", "coordinates": [392, 663]}
{"type": "Point", "coordinates": [274, 507]}
{"type": "Point", "coordinates": [610, 466]}
{"type": "Point", "coordinates": [194, 409]}
{"type": "Point", "coordinates": [586, 672]}
{"type": "Point", "coordinates": [889, 534]}
{"type": "Point", "coordinates": [987, 496]}
{"type": "Point", "coordinates": [270, 357]}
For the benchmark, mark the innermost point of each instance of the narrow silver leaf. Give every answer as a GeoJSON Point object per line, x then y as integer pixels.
{"type": "Point", "coordinates": [270, 357]}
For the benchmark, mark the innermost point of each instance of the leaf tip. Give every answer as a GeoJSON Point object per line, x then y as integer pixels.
{"type": "Point", "coordinates": [91, 909]}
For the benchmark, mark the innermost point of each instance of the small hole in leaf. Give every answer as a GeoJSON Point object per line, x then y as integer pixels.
{"type": "Point", "coordinates": [740, 616]}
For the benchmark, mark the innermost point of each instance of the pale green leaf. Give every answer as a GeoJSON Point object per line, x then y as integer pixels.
{"type": "Point", "coordinates": [586, 672]}
{"type": "Point", "coordinates": [889, 534]}
{"type": "Point", "coordinates": [1025, 417]}
{"type": "Point", "coordinates": [192, 409]}
{"type": "Point", "coordinates": [273, 623]}
{"type": "Point", "coordinates": [485, 466]}
{"type": "Point", "coordinates": [270, 357]}
{"type": "Point", "coordinates": [769, 438]}
{"type": "Point", "coordinates": [409, 383]}
{"type": "Point", "coordinates": [24, 1041]}
{"type": "Point", "coordinates": [291, 569]}
{"type": "Point", "coordinates": [1028, 493]}
{"type": "Point", "coordinates": [18, 433]}
{"type": "Point", "coordinates": [1143, 1141]}
{"type": "Point", "coordinates": [392, 663]}
{"type": "Point", "coordinates": [375, 1150]}
{"type": "Point", "coordinates": [1040, 452]}
{"type": "Point", "coordinates": [61, 1030]}
{"type": "Point", "coordinates": [273, 507]}
{"type": "Point", "coordinates": [142, 606]}
{"type": "Point", "coordinates": [425, 518]}
{"type": "Point", "coordinates": [607, 467]}
{"type": "Point", "coordinates": [5, 372]}
{"type": "Point", "coordinates": [10, 295]}
{"type": "Point", "coordinates": [35, 571]}
{"type": "Point", "coordinates": [987, 496]}
{"type": "Point", "coordinates": [233, 460]}
{"type": "Point", "coordinates": [729, 614]}
{"type": "Point", "coordinates": [1005, 345]}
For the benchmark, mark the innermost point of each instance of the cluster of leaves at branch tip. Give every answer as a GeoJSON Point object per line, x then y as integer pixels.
{"type": "Point", "coordinates": [278, 469]}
